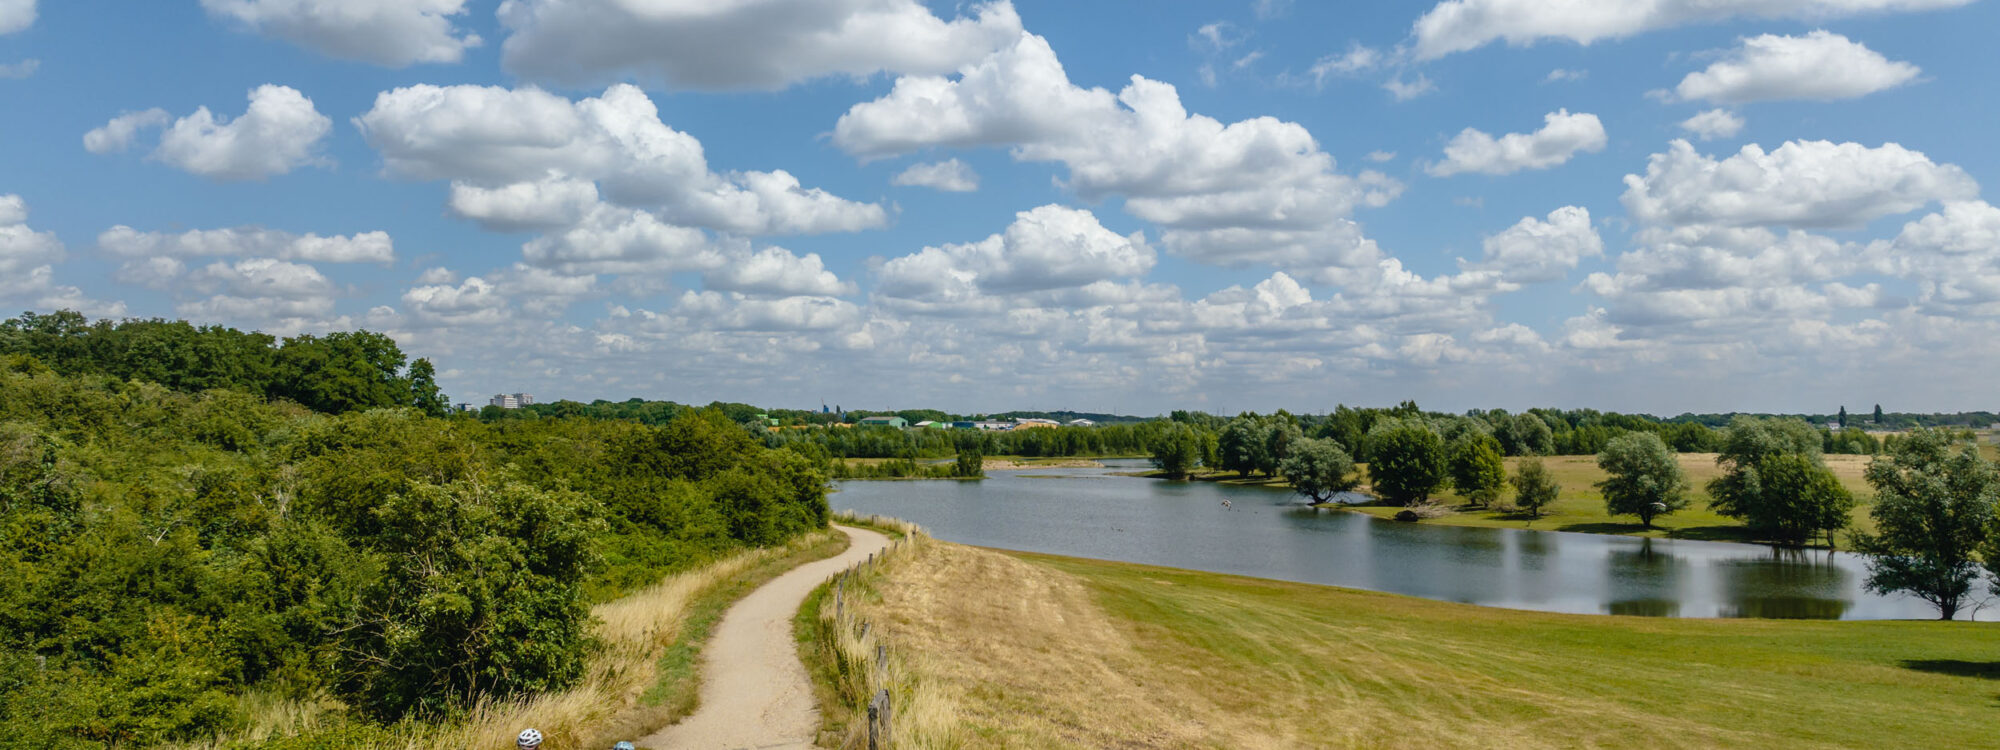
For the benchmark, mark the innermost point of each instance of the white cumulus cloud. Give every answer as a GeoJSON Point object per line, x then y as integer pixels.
{"type": "Point", "coordinates": [775, 271]}
{"type": "Point", "coordinates": [950, 175]}
{"type": "Point", "coordinates": [512, 150]}
{"type": "Point", "coordinates": [1820, 65]}
{"type": "Point", "coordinates": [393, 33]}
{"type": "Point", "coordinates": [365, 247]}
{"type": "Point", "coordinates": [765, 45]}
{"type": "Point", "coordinates": [1711, 124]}
{"type": "Point", "coordinates": [1535, 250]}
{"type": "Point", "coordinates": [1800, 184]}
{"type": "Point", "coordinates": [280, 132]}
{"type": "Point", "coordinates": [16, 15]}
{"type": "Point", "coordinates": [1049, 247]}
{"type": "Point", "coordinates": [1461, 25]}
{"type": "Point", "coordinates": [1561, 137]}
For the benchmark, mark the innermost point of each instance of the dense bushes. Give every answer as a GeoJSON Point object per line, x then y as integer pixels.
{"type": "Point", "coordinates": [166, 550]}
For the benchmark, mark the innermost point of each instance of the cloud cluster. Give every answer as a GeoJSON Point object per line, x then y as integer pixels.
{"type": "Point", "coordinates": [1562, 136]}
{"type": "Point", "coordinates": [1251, 191]}
{"type": "Point", "coordinates": [393, 33]}
{"type": "Point", "coordinates": [366, 247]}
{"type": "Point", "coordinates": [1809, 184]}
{"type": "Point", "coordinates": [1711, 124]}
{"type": "Point", "coordinates": [1820, 65]}
{"type": "Point", "coordinates": [280, 132]}
{"type": "Point", "coordinates": [1461, 25]}
{"type": "Point", "coordinates": [742, 45]}
{"type": "Point", "coordinates": [524, 143]}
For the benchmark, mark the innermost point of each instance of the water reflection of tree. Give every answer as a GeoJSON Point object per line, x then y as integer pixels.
{"type": "Point", "coordinates": [1791, 584]}
{"type": "Point", "coordinates": [1646, 575]}
{"type": "Point", "coordinates": [1645, 607]}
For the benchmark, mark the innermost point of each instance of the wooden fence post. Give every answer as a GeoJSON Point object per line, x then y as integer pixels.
{"type": "Point", "coordinates": [878, 721]}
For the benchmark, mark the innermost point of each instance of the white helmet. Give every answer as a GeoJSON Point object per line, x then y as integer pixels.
{"type": "Point", "coordinates": [623, 746]}
{"type": "Point", "coordinates": [529, 739]}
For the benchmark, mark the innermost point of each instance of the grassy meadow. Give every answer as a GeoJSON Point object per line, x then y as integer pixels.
{"type": "Point", "coordinates": [1029, 651]}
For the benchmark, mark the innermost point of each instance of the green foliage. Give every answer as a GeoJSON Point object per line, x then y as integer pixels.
{"type": "Point", "coordinates": [1177, 451]}
{"type": "Point", "coordinates": [970, 464]}
{"type": "Point", "coordinates": [1240, 448]}
{"type": "Point", "coordinates": [1934, 508]}
{"type": "Point", "coordinates": [1319, 469]}
{"type": "Point", "coordinates": [1407, 460]}
{"type": "Point", "coordinates": [1776, 481]}
{"type": "Point", "coordinates": [165, 548]}
{"type": "Point", "coordinates": [1476, 467]}
{"type": "Point", "coordinates": [481, 594]}
{"type": "Point", "coordinates": [1645, 480]}
{"type": "Point", "coordinates": [1534, 489]}
{"type": "Point", "coordinates": [1524, 435]}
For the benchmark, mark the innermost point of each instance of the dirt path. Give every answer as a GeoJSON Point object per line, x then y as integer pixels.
{"type": "Point", "coordinates": [753, 691]}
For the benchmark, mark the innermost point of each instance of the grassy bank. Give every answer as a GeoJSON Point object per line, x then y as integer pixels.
{"type": "Point", "coordinates": [1032, 651]}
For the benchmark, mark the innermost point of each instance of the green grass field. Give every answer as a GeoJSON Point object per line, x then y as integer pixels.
{"type": "Point", "coordinates": [1038, 651]}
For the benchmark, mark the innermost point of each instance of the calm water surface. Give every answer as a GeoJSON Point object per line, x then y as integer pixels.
{"type": "Point", "coordinates": [1269, 534]}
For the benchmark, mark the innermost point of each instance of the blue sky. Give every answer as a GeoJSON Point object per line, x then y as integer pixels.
{"type": "Point", "coordinates": [1125, 206]}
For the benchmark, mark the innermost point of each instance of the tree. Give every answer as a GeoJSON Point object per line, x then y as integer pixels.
{"type": "Point", "coordinates": [1646, 480]}
{"type": "Point", "coordinates": [1280, 433]}
{"type": "Point", "coordinates": [1843, 417]}
{"type": "Point", "coordinates": [1776, 481]}
{"type": "Point", "coordinates": [1934, 507]}
{"type": "Point", "coordinates": [424, 394]}
{"type": "Point", "coordinates": [971, 464]}
{"type": "Point", "coordinates": [1878, 414]}
{"type": "Point", "coordinates": [1799, 497]}
{"type": "Point", "coordinates": [481, 593]}
{"type": "Point", "coordinates": [1241, 446]}
{"type": "Point", "coordinates": [1533, 489]}
{"type": "Point", "coordinates": [1476, 468]}
{"type": "Point", "coordinates": [1406, 460]}
{"type": "Point", "coordinates": [1176, 451]}
{"type": "Point", "coordinates": [1319, 469]}
{"type": "Point", "coordinates": [1524, 435]}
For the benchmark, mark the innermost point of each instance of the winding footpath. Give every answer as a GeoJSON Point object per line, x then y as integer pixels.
{"type": "Point", "coordinates": [754, 692]}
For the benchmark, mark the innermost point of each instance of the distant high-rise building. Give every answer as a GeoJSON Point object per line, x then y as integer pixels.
{"type": "Point", "coordinates": [512, 400]}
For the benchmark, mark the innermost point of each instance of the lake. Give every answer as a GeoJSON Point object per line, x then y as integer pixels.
{"type": "Point", "coordinates": [1271, 534]}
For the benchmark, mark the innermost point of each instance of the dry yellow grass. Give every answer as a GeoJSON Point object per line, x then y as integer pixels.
{"type": "Point", "coordinates": [1030, 651]}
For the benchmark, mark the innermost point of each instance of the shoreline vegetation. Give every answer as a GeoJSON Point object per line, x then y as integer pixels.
{"type": "Point", "coordinates": [1282, 664]}
{"type": "Point", "coordinates": [1580, 507]}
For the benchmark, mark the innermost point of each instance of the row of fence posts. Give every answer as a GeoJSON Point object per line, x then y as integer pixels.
{"type": "Point", "coordinates": [880, 713]}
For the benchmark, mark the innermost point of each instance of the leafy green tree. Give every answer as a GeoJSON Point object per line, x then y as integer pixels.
{"type": "Point", "coordinates": [481, 593]}
{"type": "Point", "coordinates": [1524, 435]}
{"type": "Point", "coordinates": [970, 464]}
{"type": "Point", "coordinates": [1645, 479]}
{"type": "Point", "coordinates": [1176, 451]}
{"type": "Point", "coordinates": [1319, 469]}
{"type": "Point", "coordinates": [1280, 434]}
{"type": "Point", "coordinates": [1406, 460]}
{"type": "Point", "coordinates": [424, 393]}
{"type": "Point", "coordinates": [343, 371]}
{"type": "Point", "coordinates": [1477, 469]}
{"type": "Point", "coordinates": [1878, 414]}
{"type": "Point", "coordinates": [1533, 488]}
{"type": "Point", "coordinates": [1240, 448]}
{"type": "Point", "coordinates": [1843, 417]}
{"type": "Point", "coordinates": [1934, 508]}
{"type": "Point", "coordinates": [1776, 481]}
